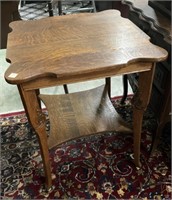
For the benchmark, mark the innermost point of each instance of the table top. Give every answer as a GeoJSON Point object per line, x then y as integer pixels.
{"type": "Point", "coordinates": [77, 45]}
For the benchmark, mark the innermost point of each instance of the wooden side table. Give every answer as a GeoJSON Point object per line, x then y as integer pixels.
{"type": "Point", "coordinates": [73, 48]}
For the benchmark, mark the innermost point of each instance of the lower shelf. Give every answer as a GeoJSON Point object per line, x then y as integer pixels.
{"type": "Point", "coordinates": [82, 113]}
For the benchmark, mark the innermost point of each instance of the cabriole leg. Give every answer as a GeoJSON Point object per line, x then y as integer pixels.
{"type": "Point", "coordinates": [140, 102]}
{"type": "Point", "coordinates": [37, 120]}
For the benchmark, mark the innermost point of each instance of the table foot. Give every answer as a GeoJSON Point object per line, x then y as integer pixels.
{"type": "Point", "coordinates": [45, 155]}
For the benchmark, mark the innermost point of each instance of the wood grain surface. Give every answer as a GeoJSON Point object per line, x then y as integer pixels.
{"type": "Point", "coordinates": [80, 114]}
{"type": "Point", "coordinates": [77, 44]}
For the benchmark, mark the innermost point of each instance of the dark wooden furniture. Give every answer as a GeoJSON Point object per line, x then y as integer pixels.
{"type": "Point", "coordinates": [9, 13]}
{"type": "Point", "coordinates": [164, 7]}
{"type": "Point", "coordinates": [74, 48]}
{"type": "Point", "coordinates": [104, 5]}
{"type": "Point", "coordinates": [153, 17]}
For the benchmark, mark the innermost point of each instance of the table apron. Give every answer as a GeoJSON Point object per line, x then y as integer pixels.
{"type": "Point", "coordinates": [44, 82]}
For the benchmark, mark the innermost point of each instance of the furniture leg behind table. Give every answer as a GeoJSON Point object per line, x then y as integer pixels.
{"type": "Point", "coordinates": [140, 102]}
{"type": "Point", "coordinates": [37, 120]}
{"type": "Point", "coordinates": [125, 88]}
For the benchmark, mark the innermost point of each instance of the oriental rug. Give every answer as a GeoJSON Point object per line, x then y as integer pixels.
{"type": "Point", "coordinates": [93, 167]}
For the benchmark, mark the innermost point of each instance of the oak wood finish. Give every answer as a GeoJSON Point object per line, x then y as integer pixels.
{"type": "Point", "coordinates": [82, 113]}
{"type": "Point", "coordinates": [91, 43]}
{"type": "Point", "coordinates": [73, 48]}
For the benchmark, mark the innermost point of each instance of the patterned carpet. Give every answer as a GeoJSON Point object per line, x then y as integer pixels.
{"type": "Point", "coordinates": [92, 167]}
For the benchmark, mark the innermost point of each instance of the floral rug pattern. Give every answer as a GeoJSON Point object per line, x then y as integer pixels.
{"type": "Point", "coordinates": [93, 167]}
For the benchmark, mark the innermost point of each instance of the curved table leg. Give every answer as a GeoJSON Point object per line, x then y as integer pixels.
{"type": "Point", "coordinates": [37, 120]}
{"type": "Point", "coordinates": [140, 102]}
{"type": "Point", "coordinates": [156, 138]}
{"type": "Point", "coordinates": [66, 89]}
{"type": "Point", "coordinates": [108, 84]}
{"type": "Point", "coordinates": [164, 118]}
{"type": "Point", "coordinates": [125, 88]}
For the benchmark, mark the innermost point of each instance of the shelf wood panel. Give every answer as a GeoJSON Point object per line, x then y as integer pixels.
{"type": "Point", "coordinates": [82, 113]}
